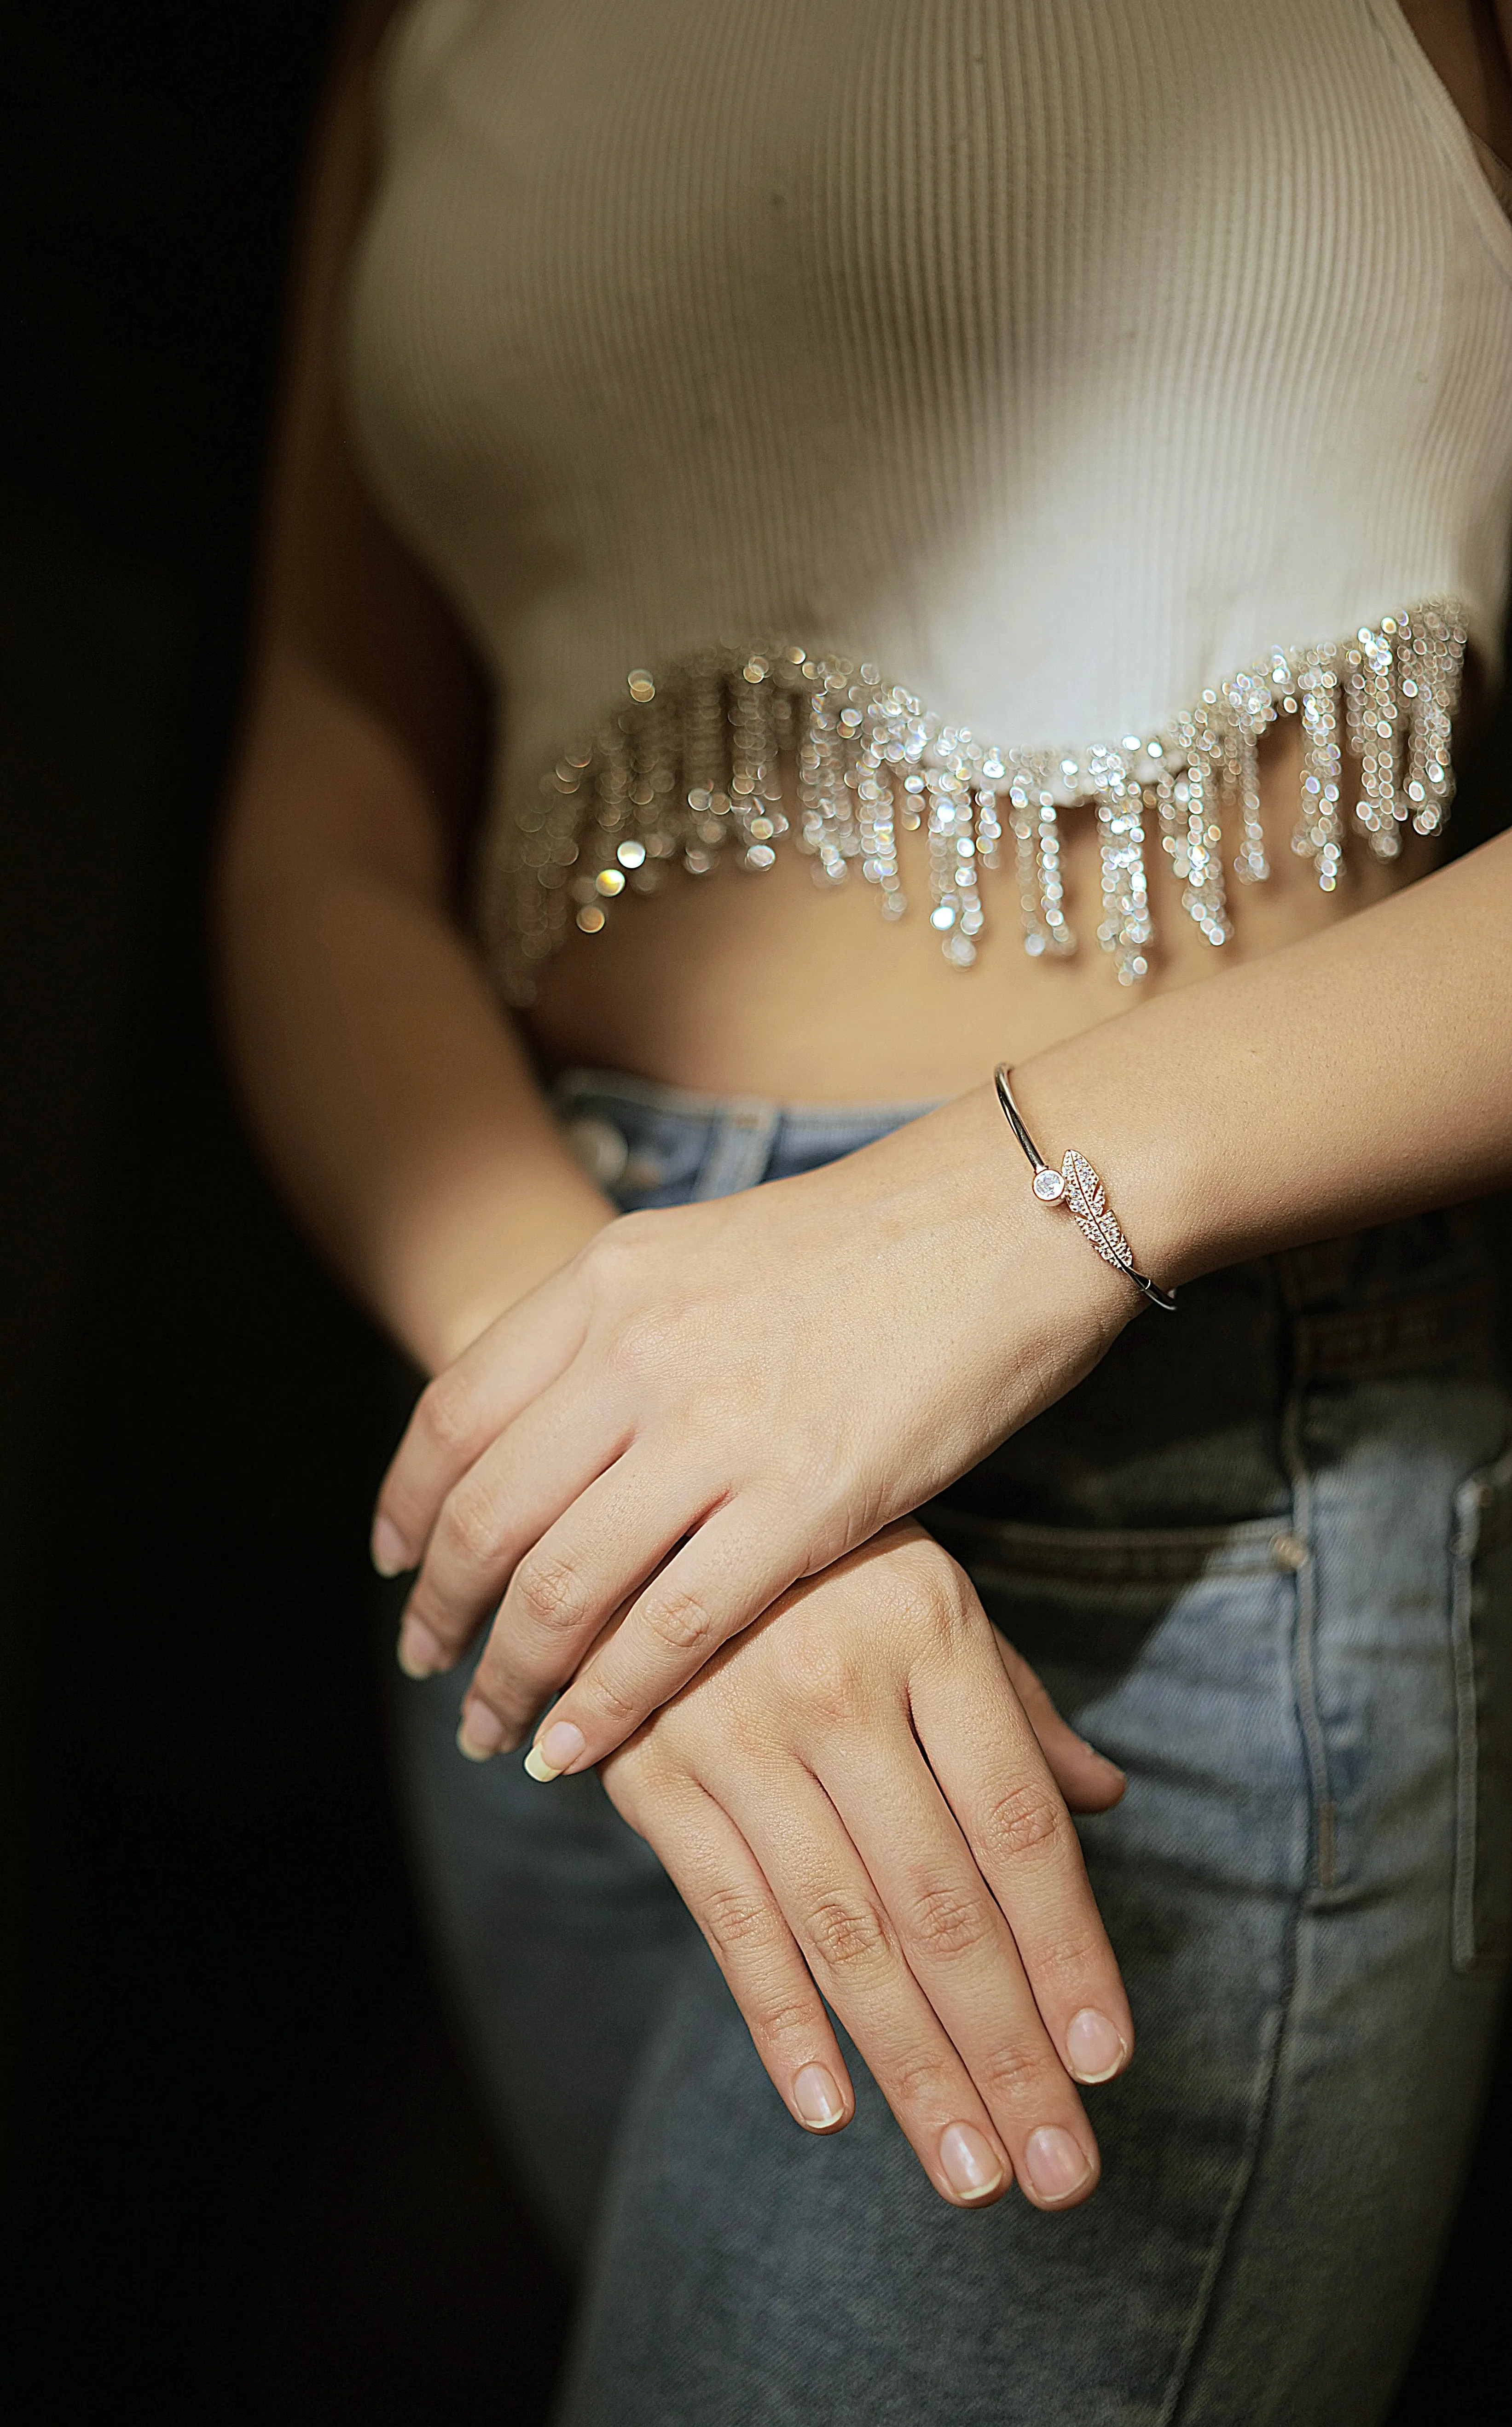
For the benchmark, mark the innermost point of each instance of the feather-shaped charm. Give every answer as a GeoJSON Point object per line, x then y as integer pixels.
{"type": "Point", "coordinates": [1088, 1201]}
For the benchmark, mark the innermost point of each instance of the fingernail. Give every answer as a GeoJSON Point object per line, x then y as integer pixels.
{"type": "Point", "coordinates": [481, 1732]}
{"type": "Point", "coordinates": [556, 1749]}
{"type": "Point", "coordinates": [559, 1746]}
{"type": "Point", "coordinates": [418, 1651]}
{"type": "Point", "coordinates": [1054, 2163]}
{"type": "Point", "coordinates": [816, 2097]}
{"type": "Point", "coordinates": [387, 1549]}
{"type": "Point", "coordinates": [971, 2166]}
{"type": "Point", "coordinates": [1095, 2049]}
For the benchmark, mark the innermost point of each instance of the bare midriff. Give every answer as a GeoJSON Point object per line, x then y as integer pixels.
{"type": "Point", "coordinates": [769, 985]}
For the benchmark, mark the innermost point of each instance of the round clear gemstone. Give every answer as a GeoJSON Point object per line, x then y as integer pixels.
{"type": "Point", "coordinates": [1048, 1186]}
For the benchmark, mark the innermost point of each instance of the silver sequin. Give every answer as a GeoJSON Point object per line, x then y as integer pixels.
{"type": "Point", "coordinates": [689, 769]}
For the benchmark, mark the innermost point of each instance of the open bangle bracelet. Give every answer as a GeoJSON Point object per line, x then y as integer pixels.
{"type": "Point", "coordinates": [1076, 1186]}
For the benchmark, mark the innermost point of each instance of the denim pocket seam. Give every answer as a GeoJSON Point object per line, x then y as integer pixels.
{"type": "Point", "coordinates": [1481, 1523]}
{"type": "Point", "coordinates": [1020, 1552]}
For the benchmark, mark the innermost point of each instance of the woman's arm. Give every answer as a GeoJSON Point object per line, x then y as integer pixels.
{"type": "Point", "coordinates": [715, 1400]}
{"type": "Point", "coordinates": [393, 1101]}
{"type": "Point", "coordinates": [1364, 1074]}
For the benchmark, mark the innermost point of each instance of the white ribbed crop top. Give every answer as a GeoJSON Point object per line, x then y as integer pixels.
{"type": "Point", "coordinates": [987, 403]}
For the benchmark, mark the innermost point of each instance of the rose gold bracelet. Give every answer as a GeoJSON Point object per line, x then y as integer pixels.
{"type": "Point", "coordinates": [1076, 1186]}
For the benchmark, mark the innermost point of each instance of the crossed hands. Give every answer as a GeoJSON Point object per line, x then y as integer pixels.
{"type": "Point", "coordinates": [679, 1471]}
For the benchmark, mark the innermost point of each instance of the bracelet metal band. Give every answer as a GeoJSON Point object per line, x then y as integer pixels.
{"type": "Point", "coordinates": [1076, 1186]}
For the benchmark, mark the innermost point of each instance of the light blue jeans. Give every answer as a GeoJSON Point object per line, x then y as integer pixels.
{"type": "Point", "coordinates": [1263, 1557]}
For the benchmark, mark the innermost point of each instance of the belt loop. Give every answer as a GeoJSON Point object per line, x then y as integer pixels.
{"type": "Point", "coordinates": [744, 1130]}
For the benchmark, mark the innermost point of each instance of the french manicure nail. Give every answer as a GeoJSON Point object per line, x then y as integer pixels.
{"type": "Point", "coordinates": [418, 1651]}
{"type": "Point", "coordinates": [561, 1745]}
{"type": "Point", "coordinates": [1094, 2047]}
{"type": "Point", "coordinates": [1054, 2163]}
{"type": "Point", "coordinates": [481, 1732]}
{"type": "Point", "coordinates": [556, 1749]}
{"type": "Point", "coordinates": [816, 2097]}
{"type": "Point", "coordinates": [971, 2164]}
{"type": "Point", "coordinates": [387, 1549]}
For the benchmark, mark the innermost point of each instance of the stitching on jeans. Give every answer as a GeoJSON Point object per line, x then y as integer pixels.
{"type": "Point", "coordinates": [1478, 1526]}
{"type": "Point", "coordinates": [1015, 1552]}
{"type": "Point", "coordinates": [1315, 1754]}
{"type": "Point", "coordinates": [1184, 2373]}
{"type": "Point", "coordinates": [1400, 1333]}
{"type": "Point", "coordinates": [1304, 1645]}
{"type": "Point", "coordinates": [1305, 1607]}
{"type": "Point", "coordinates": [1464, 1543]}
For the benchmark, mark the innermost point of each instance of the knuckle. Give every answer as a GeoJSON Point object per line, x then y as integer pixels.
{"type": "Point", "coordinates": [469, 1525]}
{"type": "Point", "coordinates": [739, 1919]}
{"type": "Point", "coordinates": [949, 1921]}
{"type": "Point", "coordinates": [642, 1345]}
{"type": "Point", "coordinates": [614, 1249]}
{"type": "Point", "coordinates": [447, 1410]}
{"type": "Point", "coordinates": [848, 1933]}
{"type": "Point", "coordinates": [619, 1706]}
{"type": "Point", "coordinates": [1070, 1956]}
{"type": "Point", "coordinates": [943, 1602]}
{"type": "Point", "coordinates": [809, 1468]}
{"type": "Point", "coordinates": [818, 1672]}
{"type": "Point", "coordinates": [1027, 1819]}
{"type": "Point", "coordinates": [676, 1618]}
{"type": "Point", "coordinates": [921, 2077]}
{"type": "Point", "coordinates": [780, 2019]}
{"type": "Point", "coordinates": [636, 1780]}
{"type": "Point", "coordinates": [547, 1589]}
{"type": "Point", "coordinates": [1017, 2075]}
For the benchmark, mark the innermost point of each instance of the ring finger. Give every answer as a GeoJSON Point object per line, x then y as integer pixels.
{"type": "Point", "coordinates": [720, 1882]}
{"type": "Point", "coordinates": [960, 1949]}
{"type": "Point", "coordinates": [851, 1947]}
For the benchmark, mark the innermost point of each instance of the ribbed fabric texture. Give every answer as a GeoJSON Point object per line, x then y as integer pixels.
{"type": "Point", "coordinates": [1057, 357]}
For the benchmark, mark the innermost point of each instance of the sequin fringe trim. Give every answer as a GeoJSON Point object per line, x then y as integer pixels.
{"type": "Point", "coordinates": [688, 771]}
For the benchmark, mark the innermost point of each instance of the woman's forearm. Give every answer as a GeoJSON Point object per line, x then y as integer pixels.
{"type": "Point", "coordinates": [751, 1402]}
{"type": "Point", "coordinates": [392, 1100]}
{"type": "Point", "coordinates": [1364, 1074]}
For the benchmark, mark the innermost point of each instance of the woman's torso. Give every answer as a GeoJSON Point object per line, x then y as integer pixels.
{"type": "Point", "coordinates": [1061, 359]}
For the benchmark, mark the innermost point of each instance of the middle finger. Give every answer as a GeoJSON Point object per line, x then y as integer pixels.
{"type": "Point", "coordinates": [849, 1943]}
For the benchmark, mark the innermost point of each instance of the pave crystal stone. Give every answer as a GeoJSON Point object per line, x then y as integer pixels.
{"type": "Point", "coordinates": [1048, 1186]}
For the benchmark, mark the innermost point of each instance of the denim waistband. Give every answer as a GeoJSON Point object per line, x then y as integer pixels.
{"type": "Point", "coordinates": [650, 1145]}
{"type": "Point", "coordinates": [1382, 1300]}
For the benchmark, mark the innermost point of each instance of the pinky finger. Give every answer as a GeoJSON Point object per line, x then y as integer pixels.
{"type": "Point", "coordinates": [1087, 1779]}
{"type": "Point", "coordinates": [725, 1890]}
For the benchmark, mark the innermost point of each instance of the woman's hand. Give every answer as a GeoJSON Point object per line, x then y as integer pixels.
{"type": "Point", "coordinates": [711, 1402]}
{"type": "Point", "coordinates": [857, 1805]}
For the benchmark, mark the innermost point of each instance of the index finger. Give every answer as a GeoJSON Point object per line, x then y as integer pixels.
{"type": "Point", "coordinates": [466, 1408]}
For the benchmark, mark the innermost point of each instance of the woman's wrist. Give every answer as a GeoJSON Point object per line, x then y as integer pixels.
{"type": "Point", "coordinates": [1079, 1095]}
{"type": "Point", "coordinates": [460, 1265]}
{"type": "Point", "coordinates": [1060, 1304]}
{"type": "Point", "coordinates": [1354, 1078]}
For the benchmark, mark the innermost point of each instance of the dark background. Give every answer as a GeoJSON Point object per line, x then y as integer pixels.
{"type": "Point", "coordinates": [247, 2178]}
